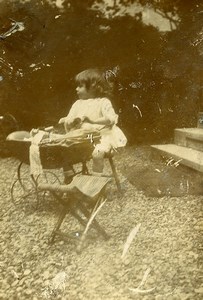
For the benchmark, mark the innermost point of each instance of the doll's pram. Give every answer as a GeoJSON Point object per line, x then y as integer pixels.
{"type": "Point", "coordinates": [53, 156]}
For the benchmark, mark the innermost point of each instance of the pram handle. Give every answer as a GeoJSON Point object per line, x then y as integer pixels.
{"type": "Point", "coordinates": [48, 129]}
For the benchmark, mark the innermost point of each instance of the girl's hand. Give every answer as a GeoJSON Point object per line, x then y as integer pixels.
{"type": "Point", "coordinates": [61, 121]}
{"type": "Point", "coordinates": [73, 123]}
{"type": "Point", "coordinates": [68, 123]}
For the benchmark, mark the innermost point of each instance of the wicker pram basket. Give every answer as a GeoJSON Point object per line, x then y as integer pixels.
{"type": "Point", "coordinates": [53, 156]}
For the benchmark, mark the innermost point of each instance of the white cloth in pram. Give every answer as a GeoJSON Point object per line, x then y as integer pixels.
{"type": "Point", "coordinates": [34, 155]}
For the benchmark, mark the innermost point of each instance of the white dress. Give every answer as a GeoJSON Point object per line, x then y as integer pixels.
{"type": "Point", "coordinates": [111, 136]}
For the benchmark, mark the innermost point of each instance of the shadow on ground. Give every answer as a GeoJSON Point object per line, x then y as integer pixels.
{"type": "Point", "coordinates": [160, 176]}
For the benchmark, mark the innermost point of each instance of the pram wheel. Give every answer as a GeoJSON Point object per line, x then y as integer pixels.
{"type": "Point", "coordinates": [47, 177]}
{"type": "Point", "coordinates": [24, 190]}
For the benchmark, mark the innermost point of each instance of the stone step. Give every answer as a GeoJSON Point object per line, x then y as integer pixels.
{"type": "Point", "coordinates": [186, 156]}
{"type": "Point", "coordinates": [200, 120]}
{"type": "Point", "coordinates": [189, 137]}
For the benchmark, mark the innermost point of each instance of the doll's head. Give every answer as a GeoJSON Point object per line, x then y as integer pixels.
{"type": "Point", "coordinates": [91, 83]}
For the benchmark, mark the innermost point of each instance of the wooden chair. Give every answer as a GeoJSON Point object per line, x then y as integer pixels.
{"type": "Point", "coordinates": [80, 198]}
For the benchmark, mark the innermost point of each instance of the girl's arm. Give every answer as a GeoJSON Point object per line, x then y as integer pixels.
{"type": "Point", "coordinates": [100, 121]}
{"type": "Point", "coordinates": [108, 118]}
{"type": "Point", "coordinates": [68, 121]}
{"type": "Point", "coordinates": [108, 112]}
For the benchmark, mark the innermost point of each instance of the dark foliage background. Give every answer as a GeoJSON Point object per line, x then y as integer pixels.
{"type": "Point", "coordinates": [156, 75]}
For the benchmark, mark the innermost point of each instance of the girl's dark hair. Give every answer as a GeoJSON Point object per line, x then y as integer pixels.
{"type": "Point", "coordinates": [94, 78]}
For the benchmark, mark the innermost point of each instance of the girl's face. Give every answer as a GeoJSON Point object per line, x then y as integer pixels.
{"type": "Point", "coordinates": [83, 93]}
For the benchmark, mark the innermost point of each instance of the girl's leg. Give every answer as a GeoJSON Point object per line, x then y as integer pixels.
{"type": "Point", "coordinates": [68, 173]}
{"type": "Point", "coordinates": [98, 157]}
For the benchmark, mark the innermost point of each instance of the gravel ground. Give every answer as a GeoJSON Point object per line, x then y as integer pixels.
{"type": "Point", "coordinates": [166, 253]}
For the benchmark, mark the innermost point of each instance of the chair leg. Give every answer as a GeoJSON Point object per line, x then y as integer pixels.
{"type": "Point", "coordinates": [58, 224]}
{"type": "Point", "coordinates": [115, 174]}
{"type": "Point", "coordinates": [78, 217]}
{"type": "Point", "coordinates": [95, 224]}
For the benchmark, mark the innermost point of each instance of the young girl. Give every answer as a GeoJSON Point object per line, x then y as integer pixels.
{"type": "Point", "coordinates": [94, 112]}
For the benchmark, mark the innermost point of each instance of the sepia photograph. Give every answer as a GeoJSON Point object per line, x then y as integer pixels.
{"type": "Point", "coordinates": [101, 149]}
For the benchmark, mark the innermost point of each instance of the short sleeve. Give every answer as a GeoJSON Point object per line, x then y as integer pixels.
{"type": "Point", "coordinates": [108, 111]}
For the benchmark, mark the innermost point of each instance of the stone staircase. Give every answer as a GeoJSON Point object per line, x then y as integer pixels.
{"type": "Point", "coordinates": [187, 147]}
